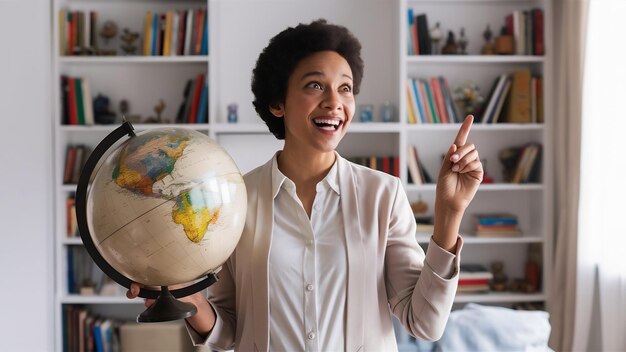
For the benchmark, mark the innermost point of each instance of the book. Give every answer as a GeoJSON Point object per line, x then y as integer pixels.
{"type": "Point", "coordinates": [493, 97]}
{"type": "Point", "coordinates": [495, 117]}
{"type": "Point", "coordinates": [87, 102]}
{"type": "Point", "coordinates": [518, 108]}
{"type": "Point", "coordinates": [413, 165]}
{"type": "Point", "coordinates": [147, 34]}
{"type": "Point", "coordinates": [202, 109]}
{"type": "Point", "coordinates": [196, 98]}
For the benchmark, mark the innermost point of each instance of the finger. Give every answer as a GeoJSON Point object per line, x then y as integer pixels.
{"type": "Point", "coordinates": [474, 166]}
{"type": "Point", "coordinates": [464, 131]}
{"type": "Point", "coordinates": [446, 160]}
{"type": "Point", "coordinates": [462, 152]}
{"type": "Point", "coordinates": [468, 158]}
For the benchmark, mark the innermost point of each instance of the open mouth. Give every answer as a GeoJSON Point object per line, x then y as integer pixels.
{"type": "Point", "coordinates": [328, 124]}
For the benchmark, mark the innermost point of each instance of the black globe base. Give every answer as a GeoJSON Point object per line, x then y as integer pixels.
{"type": "Point", "coordinates": [166, 308]}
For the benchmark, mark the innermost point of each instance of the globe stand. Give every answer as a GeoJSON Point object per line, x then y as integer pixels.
{"type": "Point", "coordinates": [166, 308]}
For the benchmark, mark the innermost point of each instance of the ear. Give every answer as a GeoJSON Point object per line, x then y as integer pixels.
{"type": "Point", "coordinates": [277, 109]}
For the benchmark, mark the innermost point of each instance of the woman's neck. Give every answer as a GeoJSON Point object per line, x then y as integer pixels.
{"type": "Point", "coordinates": [305, 169]}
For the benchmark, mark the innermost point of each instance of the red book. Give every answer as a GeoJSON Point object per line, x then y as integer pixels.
{"type": "Point", "coordinates": [508, 21]}
{"type": "Point", "coordinates": [439, 102]}
{"type": "Point", "coordinates": [538, 45]}
{"type": "Point", "coordinates": [70, 159]}
{"type": "Point", "coordinates": [181, 33]}
{"type": "Point", "coordinates": [387, 165]}
{"type": "Point", "coordinates": [199, 32]}
{"type": "Point", "coordinates": [196, 99]}
{"type": "Point", "coordinates": [473, 282]}
{"type": "Point", "coordinates": [396, 166]}
{"type": "Point", "coordinates": [73, 113]}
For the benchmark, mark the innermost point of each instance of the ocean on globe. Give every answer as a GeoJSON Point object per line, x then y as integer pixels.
{"type": "Point", "coordinates": [166, 206]}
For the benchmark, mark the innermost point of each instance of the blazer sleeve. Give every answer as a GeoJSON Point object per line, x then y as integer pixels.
{"type": "Point", "coordinates": [420, 287]}
{"type": "Point", "coordinates": [221, 296]}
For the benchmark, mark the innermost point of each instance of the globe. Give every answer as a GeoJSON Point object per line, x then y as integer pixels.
{"type": "Point", "coordinates": [162, 207]}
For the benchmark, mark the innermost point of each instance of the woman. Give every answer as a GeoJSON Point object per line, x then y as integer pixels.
{"type": "Point", "coordinates": [329, 249]}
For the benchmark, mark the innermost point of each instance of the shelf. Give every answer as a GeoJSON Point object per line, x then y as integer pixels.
{"type": "Point", "coordinates": [476, 126]}
{"type": "Point", "coordinates": [499, 297]}
{"type": "Point", "coordinates": [474, 59]}
{"type": "Point", "coordinates": [69, 188]}
{"type": "Point", "coordinates": [483, 187]}
{"type": "Point", "coordinates": [132, 59]}
{"type": "Point", "coordinates": [72, 241]}
{"type": "Point", "coordinates": [424, 238]}
{"type": "Point", "coordinates": [78, 299]}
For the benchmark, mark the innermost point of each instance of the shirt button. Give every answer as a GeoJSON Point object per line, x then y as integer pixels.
{"type": "Point", "coordinates": [317, 206]}
{"type": "Point", "coordinates": [309, 242]}
{"type": "Point", "coordinates": [309, 287]}
{"type": "Point", "coordinates": [311, 335]}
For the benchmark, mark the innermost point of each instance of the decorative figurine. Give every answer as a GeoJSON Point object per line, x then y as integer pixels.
{"type": "Point", "coordinates": [366, 113]}
{"type": "Point", "coordinates": [108, 31]}
{"type": "Point", "coordinates": [129, 39]}
{"type": "Point", "coordinates": [462, 42]}
{"type": "Point", "coordinates": [232, 113]}
{"type": "Point", "coordinates": [102, 114]}
{"type": "Point", "coordinates": [124, 110]}
{"type": "Point", "coordinates": [468, 98]}
{"type": "Point", "coordinates": [488, 48]}
{"type": "Point", "coordinates": [504, 44]}
{"type": "Point", "coordinates": [498, 283]}
{"type": "Point", "coordinates": [450, 48]}
{"type": "Point", "coordinates": [435, 37]}
{"type": "Point", "coordinates": [420, 207]}
{"type": "Point", "coordinates": [158, 109]}
{"type": "Point", "coordinates": [387, 112]}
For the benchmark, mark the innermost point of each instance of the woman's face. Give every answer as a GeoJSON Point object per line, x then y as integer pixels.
{"type": "Point", "coordinates": [319, 104]}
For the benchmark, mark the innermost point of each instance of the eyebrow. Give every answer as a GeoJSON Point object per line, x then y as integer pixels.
{"type": "Point", "coordinates": [319, 73]}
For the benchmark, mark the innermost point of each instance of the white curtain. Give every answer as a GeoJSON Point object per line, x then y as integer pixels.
{"type": "Point", "coordinates": [569, 46]}
{"type": "Point", "coordinates": [602, 212]}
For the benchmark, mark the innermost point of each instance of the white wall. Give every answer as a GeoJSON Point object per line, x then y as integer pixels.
{"type": "Point", "coordinates": [26, 291]}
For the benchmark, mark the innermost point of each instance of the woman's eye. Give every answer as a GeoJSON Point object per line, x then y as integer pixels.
{"type": "Point", "coordinates": [315, 85]}
{"type": "Point", "coordinates": [346, 88]}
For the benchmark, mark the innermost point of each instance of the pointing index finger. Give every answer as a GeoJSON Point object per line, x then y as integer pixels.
{"type": "Point", "coordinates": [461, 137]}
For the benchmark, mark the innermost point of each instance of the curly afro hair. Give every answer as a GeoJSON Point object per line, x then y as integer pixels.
{"type": "Point", "coordinates": [283, 53]}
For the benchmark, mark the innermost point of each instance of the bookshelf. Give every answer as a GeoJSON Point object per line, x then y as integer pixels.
{"type": "Point", "coordinates": [143, 80]}
{"type": "Point", "coordinates": [531, 202]}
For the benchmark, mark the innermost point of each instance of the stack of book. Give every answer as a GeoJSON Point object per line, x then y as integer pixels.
{"type": "Point", "coordinates": [430, 101]}
{"type": "Point", "coordinates": [497, 225]}
{"type": "Point", "coordinates": [75, 158]}
{"type": "Point", "coordinates": [474, 278]}
{"type": "Point", "coordinates": [417, 172]}
{"type": "Point", "coordinates": [388, 164]}
{"type": "Point", "coordinates": [521, 164]}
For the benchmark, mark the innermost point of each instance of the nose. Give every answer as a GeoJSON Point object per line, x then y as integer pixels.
{"type": "Point", "coordinates": [331, 100]}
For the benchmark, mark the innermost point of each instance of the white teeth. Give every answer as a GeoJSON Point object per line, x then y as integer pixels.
{"type": "Point", "coordinates": [327, 122]}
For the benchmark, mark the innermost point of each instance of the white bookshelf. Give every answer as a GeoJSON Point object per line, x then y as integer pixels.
{"type": "Point", "coordinates": [531, 202]}
{"type": "Point", "coordinates": [238, 30]}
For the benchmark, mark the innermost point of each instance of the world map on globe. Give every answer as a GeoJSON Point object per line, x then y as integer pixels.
{"type": "Point", "coordinates": [167, 206]}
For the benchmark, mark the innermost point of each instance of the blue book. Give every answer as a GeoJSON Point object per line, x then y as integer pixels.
{"type": "Point", "coordinates": [418, 99]}
{"type": "Point", "coordinates": [155, 30]}
{"type": "Point", "coordinates": [201, 116]}
{"type": "Point", "coordinates": [204, 49]}
{"type": "Point", "coordinates": [497, 219]}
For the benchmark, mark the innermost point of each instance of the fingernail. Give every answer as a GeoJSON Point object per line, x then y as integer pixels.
{"type": "Point", "coordinates": [455, 168]}
{"type": "Point", "coordinates": [455, 157]}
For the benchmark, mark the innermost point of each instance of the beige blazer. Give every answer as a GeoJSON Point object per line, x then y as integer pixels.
{"type": "Point", "coordinates": [387, 270]}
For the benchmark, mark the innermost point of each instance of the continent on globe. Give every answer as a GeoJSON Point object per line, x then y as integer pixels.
{"type": "Point", "coordinates": [148, 159]}
{"type": "Point", "coordinates": [194, 218]}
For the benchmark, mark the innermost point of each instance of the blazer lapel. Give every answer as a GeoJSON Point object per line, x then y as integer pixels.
{"type": "Point", "coordinates": [355, 325]}
{"type": "Point", "coordinates": [260, 258]}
